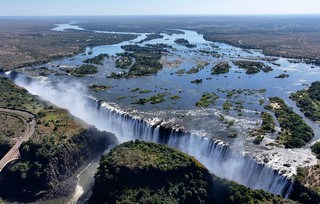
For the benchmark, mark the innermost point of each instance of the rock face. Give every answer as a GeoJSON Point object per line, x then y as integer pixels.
{"type": "Point", "coordinates": [145, 172]}
{"type": "Point", "coordinates": [28, 180]}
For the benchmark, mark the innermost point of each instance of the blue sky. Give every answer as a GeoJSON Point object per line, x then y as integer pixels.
{"type": "Point", "coordinates": [152, 7]}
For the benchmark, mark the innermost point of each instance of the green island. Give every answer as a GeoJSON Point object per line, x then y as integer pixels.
{"type": "Point", "coordinates": [220, 68]}
{"type": "Point", "coordinates": [97, 59]}
{"type": "Point", "coordinates": [308, 100]}
{"type": "Point", "coordinates": [267, 126]}
{"type": "Point", "coordinates": [147, 61]}
{"type": "Point", "coordinates": [184, 42]}
{"type": "Point", "coordinates": [157, 98]}
{"type": "Point", "coordinates": [193, 70]}
{"type": "Point", "coordinates": [145, 172]}
{"type": "Point", "coordinates": [196, 81]}
{"type": "Point", "coordinates": [124, 61]}
{"type": "Point", "coordinates": [232, 135]}
{"type": "Point", "coordinates": [252, 67]}
{"type": "Point", "coordinates": [96, 88]}
{"type": "Point", "coordinates": [151, 37]}
{"type": "Point", "coordinates": [145, 91]}
{"type": "Point", "coordinates": [295, 131]}
{"type": "Point", "coordinates": [281, 76]}
{"type": "Point", "coordinates": [175, 97]}
{"type": "Point", "coordinates": [180, 71]}
{"type": "Point", "coordinates": [58, 147]}
{"type": "Point", "coordinates": [83, 70]}
{"type": "Point", "coordinates": [205, 99]}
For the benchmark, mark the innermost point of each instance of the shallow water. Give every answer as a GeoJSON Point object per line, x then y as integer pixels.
{"type": "Point", "coordinates": [195, 119]}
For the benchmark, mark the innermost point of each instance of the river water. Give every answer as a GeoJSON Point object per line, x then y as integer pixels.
{"type": "Point", "coordinates": [68, 92]}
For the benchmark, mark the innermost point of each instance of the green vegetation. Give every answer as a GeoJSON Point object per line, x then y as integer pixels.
{"type": "Point", "coordinates": [184, 42]}
{"type": "Point", "coordinates": [145, 172]}
{"type": "Point", "coordinates": [258, 139]}
{"type": "Point", "coordinates": [204, 100]}
{"type": "Point", "coordinates": [165, 176]}
{"type": "Point", "coordinates": [158, 98]}
{"type": "Point", "coordinates": [125, 61]}
{"type": "Point", "coordinates": [232, 135]}
{"type": "Point", "coordinates": [268, 124]}
{"type": "Point", "coordinates": [196, 81]}
{"type": "Point", "coordinates": [308, 100]}
{"type": "Point", "coordinates": [215, 97]}
{"type": "Point", "coordinates": [227, 105]}
{"type": "Point", "coordinates": [58, 147]}
{"type": "Point", "coordinates": [295, 132]}
{"type": "Point", "coordinates": [204, 103]}
{"type": "Point", "coordinates": [145, 91]}
{"type": "Point", "coordinates": [5, 145]}
{"type": "Point", "coordinates": [316, 149]}
{"type": "Point", "coordinates": [97, 88]}
{"type": "Point", "coordinates": [135, 89]}
{"type": "Point", "coordinates": [306, 185]}
{"type": "Point", "coordinates": [221, 68]}
{"type": "Point", "coordinates": [231, 122]}
{"type": "Point", "coordinates": [175, 97]}
{"type": "Point", "coordinates": [180, 71]}
{"type": "Point", "coordinates": [262, 90]}
{"type": "Point", "coordinates": [13, 127]}
{"type": "Point", "coordinates": [147, 60]}
{"type": "Point", "coordinates": [206, 96]}
{"type": "Point", "coordinates": [83, 70]}
{"type": "Point", "coordinates": [252, 67]}
{"type": "Point", "coordinates": [120, 97]}
{"type": "Point", "coordinates": [151, 37]}
{"type": "Point", "coordinates": [97, 59]}
{"type": "Point", "coordinates": [193, 70]}
{"type": "Point", "coordinates": [282, 76]}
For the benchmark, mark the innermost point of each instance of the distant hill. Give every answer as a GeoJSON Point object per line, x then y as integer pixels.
{"type": "Point", "coordinates": [145, 172]}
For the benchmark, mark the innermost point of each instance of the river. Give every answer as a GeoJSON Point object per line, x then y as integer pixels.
{"type": "Point", "coordinates": [202, 125]}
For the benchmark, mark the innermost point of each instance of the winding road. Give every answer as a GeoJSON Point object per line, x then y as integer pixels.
{"type": "Point", "coordinates": [13, 153]}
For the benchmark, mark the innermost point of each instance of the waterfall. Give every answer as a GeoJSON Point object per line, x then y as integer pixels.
{"type": "Point", "coordinates": [220, 159]}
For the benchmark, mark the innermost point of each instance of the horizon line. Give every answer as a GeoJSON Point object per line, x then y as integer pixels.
{"type": "Point", "coordinates": [163, 15]}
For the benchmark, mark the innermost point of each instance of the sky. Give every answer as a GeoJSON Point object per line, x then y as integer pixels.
{"type": "Point", "coordinates": [156, 7]}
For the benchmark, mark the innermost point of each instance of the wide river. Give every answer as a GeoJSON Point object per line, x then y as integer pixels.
{"type": "Point", "coordinates": [183, 113]}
